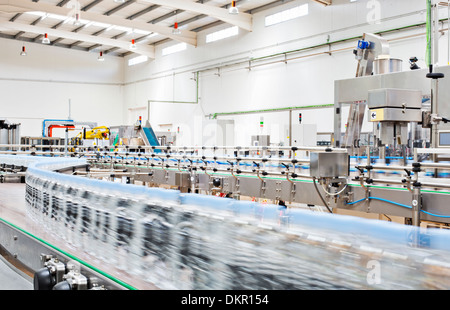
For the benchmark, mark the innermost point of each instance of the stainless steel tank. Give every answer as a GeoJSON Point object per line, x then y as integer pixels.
{"type": "Point", "coordinates": [387, 65]}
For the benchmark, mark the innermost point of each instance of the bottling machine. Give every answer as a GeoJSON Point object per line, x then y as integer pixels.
{"type": "Point", "coordinates": [179, 217]}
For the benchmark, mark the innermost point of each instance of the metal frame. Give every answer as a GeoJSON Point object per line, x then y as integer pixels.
{"type": "Point", "coordinates": [42, 186]}
{"type": "Point", "coordinates": [295, 190]}
{"type": "Point", "coordinates": [24, 251]}
{"type": "Point", "coordinates": [114, 13]}
{"type": "Point", "coordinates": [188, 171]}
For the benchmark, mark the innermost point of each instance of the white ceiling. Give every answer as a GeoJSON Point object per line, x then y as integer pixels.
{"type": "Point", "coordinates": [109, 26]}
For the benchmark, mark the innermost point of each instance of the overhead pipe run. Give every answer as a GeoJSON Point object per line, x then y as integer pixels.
{"type": "Point", "coordinates": [49, 122]}
{"type": "Point", "coordinates": [284, 54]}
{"type": "Point", "coordinates": [286, 109]}
{"type": "Point", "coordinates": [196, 78]}
{"type": "Point", "coordinates": [286, 59]}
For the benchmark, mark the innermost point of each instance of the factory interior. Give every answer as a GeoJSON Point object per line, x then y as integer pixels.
{"type": "Point", "coordinates": [216, 145]}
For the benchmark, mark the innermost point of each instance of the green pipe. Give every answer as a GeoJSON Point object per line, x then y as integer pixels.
{"type": "Point", "coordinates": [348, 39]}
{"type": "Point", "coordinates": [328, 43]}
{"type": "Point", "coordinates": [428, 27]}
{"type": "Point", "coordinates": [304, 49]}
{"type": "Point", "coordinates": [174, 101]}
{"type": "Point", "coordinates": [427, 24]}
{"type": "Point", "coordinates": [215, 115]}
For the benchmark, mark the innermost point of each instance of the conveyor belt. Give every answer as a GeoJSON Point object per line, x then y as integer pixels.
{"type": "Point", "coordinates": [12, 210]}
{"type": "Point", "coordinates": [189, 241]}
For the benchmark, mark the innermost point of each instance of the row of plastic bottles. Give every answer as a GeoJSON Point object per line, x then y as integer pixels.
{"type": "Point", "coordinates": [161, 243]}
{"type": "Point", "coordinates": [189, 241]}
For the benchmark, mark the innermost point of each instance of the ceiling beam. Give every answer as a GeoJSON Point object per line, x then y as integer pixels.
{"type": "Point", "coordinates": [242, 20]}
{"type": "Point", "coordinates": [91, 5]}
{"type": "Point", "coordinates": [141, 49]}
{"type": "Point", "coordinates": [60, 4]}
{"type": "Point", "coordinates": [144, 11]}
{"type": "Point", "coordinates": [324, 2]}
{"type": "Point", "coordinates": [186, 36]}
{"type": "Point", "coordinates": [119, 7]}
{"type": "Point", "coordinates": [30, 40]}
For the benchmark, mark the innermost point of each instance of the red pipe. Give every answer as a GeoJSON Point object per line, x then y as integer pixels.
{"type": "Point", "coordinates": [50, 128]}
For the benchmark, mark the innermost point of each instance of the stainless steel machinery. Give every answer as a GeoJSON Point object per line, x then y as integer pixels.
{"type": "Point", "coordinates": [230, 217]}
{"type": "Point", "coordinates": [373, 56]}
{"type": "Point", "coordinates": [392, 111]}
{"type": "Point", "coordinates": [166, 239]}
{"type": "Point", "coordinates": [9, 132]}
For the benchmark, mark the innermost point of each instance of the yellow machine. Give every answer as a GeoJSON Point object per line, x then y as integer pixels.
{"type": "Point", "coordinates": [101, 132]}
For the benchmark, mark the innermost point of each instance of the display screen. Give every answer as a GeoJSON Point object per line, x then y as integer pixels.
{"type": "Point", "coordinates": [444, 139]}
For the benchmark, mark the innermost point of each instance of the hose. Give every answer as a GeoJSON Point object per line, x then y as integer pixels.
{"type": "Point", "coordinates": [336, 194]}
{"type": "Point", "coordinates": [398, 204]}
{"type": "Point", "coordinates": [320, 195]}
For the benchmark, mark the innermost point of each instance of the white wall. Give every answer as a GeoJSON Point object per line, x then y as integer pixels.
{"type": "Point", "coordinates": [40, 85]}
{"type": "Point", "coordinates": [227, 85]}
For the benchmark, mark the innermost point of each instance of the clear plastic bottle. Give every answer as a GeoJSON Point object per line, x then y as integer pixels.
{"type": "Point", "coordinates": [46, 204]}
{"type": "Point", "coordinates": [124, 234]}
{"type": "Point", "coordinates": [66, 215]}
{"type": "Point", "coordinates": [96, 227]}
{"type": "Point", "coordinates": [55, 205]}
{"type": "Point", "coordinates": [86, 220]}
{"type": "Point", "coordinates": [108, 236]}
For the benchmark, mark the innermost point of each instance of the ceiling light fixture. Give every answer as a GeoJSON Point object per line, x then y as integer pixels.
{"type": "Point", "coordinates": [23, 53]}
{"type": "Point", "coordinates": [77, 21]}
{"type": "Point", "coordinates": [176, 30]}
{"type": "Point", "coordinates": [46, 40]}
{"type": "Point", "coordinates": [119, 1]}
{"type": "Point", "coordinates": [233, 9]}
{"type": "Point", "coordinates": [133, 44]}
{"type": "Point", "coordinates": [100, 57]}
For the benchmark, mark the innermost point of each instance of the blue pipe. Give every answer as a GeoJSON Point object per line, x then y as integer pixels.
{"type": "Point", "coordinates": [398, 204]}
{"type": "Point", "coordinates": [52, 120]}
